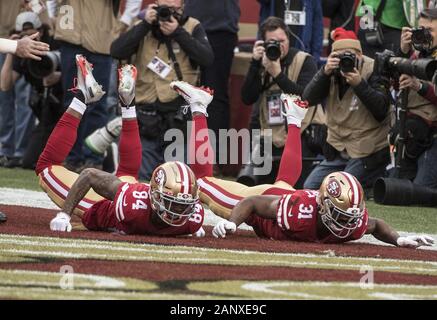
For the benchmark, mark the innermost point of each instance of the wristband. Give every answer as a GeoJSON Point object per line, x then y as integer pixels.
{"type": "Point", "coordinates": [8, 46]}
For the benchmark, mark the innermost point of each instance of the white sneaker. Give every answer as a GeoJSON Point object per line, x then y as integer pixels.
{"type": "Point", "coordinates": [127, 76]}
{"type": "Point", "coordinates": [86, 83]}
{"type": "Point", "coordinates": [294, 108]}
{"type": "Point", "coordinates": [101, 139]}
{"type": "Point", "coordinates": [197, 98]}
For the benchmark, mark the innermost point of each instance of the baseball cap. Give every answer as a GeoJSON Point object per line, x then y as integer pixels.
{"type": "Point", "coordinates": [27, 17]}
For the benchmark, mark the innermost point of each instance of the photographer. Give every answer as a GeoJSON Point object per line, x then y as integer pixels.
{"type": "Point", "coordinates": [420, 158]}
{"type": "Point", "coordinates": [46, 91]}
{"type": "Point", "coordinates": [168, 46]}
{"type": "Point", "coordinates": [275, 68]}
{"type": "Point", "coordinates": [357, 105]}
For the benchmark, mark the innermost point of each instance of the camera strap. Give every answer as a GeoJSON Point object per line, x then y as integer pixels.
{"type": "Point", "coordinates": [379, 10]}
{"type": "Point", "coordinates": [172, 56]}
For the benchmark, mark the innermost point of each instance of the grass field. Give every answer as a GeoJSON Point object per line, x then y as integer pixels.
{"type": "Point", "coordinates": [36, 263]}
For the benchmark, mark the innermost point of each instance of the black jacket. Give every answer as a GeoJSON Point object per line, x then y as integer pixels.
{"type": "Point", "coordinates": [254, 85]}
{"type": "Point", "coordinates": [374, 93]}
{"type": "Point", "coordinates": [196, 46]}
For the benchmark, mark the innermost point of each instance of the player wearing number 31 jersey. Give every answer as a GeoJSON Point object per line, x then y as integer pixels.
{"type": "Point", "coordinates": [169, 205]}
{"type": "Point", "coordinates": [335, 213]}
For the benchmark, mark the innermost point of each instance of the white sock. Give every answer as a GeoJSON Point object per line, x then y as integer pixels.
{"type": "Point", "coordinates": [128, 113]}
{"type": "Point", "coordinates": [198, 107]}
{"type": "Point", "coordinates": [78, 106]}
{"type": "Point", "coordinates": [293, 120]}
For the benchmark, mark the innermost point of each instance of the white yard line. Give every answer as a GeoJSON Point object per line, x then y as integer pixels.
{"type": "Point", "coordinates": [37, 199]}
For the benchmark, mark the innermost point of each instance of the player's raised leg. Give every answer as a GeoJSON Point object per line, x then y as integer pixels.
{"type": "Point", "coordinates": [290, 167]}
{"type": "Point", "coordinates": [200, 153]}
{"type": "Point", "coordinates": [55, 179]}
{"type": "Point", "coordinates": [64, 134]}
{"type": "Point", "coordinates": [130, 143]}
{"type": "Point", "coordinates": [220, 195]}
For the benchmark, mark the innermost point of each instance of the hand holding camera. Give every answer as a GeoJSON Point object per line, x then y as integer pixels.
{"type": "Point", "coordinates": [258, 50]}
{"type": "Point", "coordinates": [406, 45]}
{"type": "Point", "coordinates": [168, 27]}
{"type": "Point", "coordinates": [332, 63]}
{"type": "Point", "coordinates": [406, 81]}
{"type": "Point", "coordinates": [353, 78]}
{"type": "Point", "coordinates": [163, 16]}
{"type": "Point", "coordinates": [151, 14]}
{"type": "Point", "coordinates": [273, 67]}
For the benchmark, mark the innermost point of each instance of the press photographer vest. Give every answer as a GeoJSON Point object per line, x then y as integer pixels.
{"type": "Point", "coordinates": [9, 11]}
{"type": "Point", "coordinates": [150, 86]}
{"type": "Point", "coordinates": [420, 106]}
{"type": "Point", "coordinates": [94, 24]}
{"type": "Point", "coordinates": [279, 132]}
{"type": "Point", "coordinates": [351, 127]}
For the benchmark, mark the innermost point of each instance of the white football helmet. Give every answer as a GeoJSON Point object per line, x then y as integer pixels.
{"type": "Point", "coordinates": [174, 192]}
{"type": "Point", "coordinates": [342, 203]}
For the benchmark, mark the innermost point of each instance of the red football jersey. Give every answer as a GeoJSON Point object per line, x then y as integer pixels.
{"type": "Point", "coordinates": [131, 213]}
{"type": "Point", "coordinates": [297, 220]}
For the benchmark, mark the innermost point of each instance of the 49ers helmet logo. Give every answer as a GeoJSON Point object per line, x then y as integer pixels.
{"type": "Point", "coordinates": [333, 188]}
{"type": "Point", "coordinates": [160, 177]}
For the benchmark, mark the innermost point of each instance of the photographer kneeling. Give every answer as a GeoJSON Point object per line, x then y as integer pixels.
{"type": "Point", "coordinates": [420, 156]}
{"type": "Point", "coordinates": [356, 106]}
{"type": "Point", "coordinates": [44, 77]}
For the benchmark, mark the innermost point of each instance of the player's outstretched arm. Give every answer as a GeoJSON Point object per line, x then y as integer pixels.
{"type": "Point", "coordinates": [103, 183]}
{"type": "Point", "coordinates": [263, 206]}
{"type": "Point", "coordinates": [382, 231]}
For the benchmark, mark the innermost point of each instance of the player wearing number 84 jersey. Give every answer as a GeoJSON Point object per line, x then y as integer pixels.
{"type": "Point", "coordinates": [169, 205]}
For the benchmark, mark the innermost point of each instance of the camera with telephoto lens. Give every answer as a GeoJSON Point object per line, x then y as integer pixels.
{"type": "Point", "coordinates": [386, 63]}
{"type": "Point", "coordinates": [348, 61]}
{"type": "Point", "coordinates": [164, 13]}
{"type": "Point", "coordinates": [421, 38]}
{"type": "Point", "coordinates": [273, 49]}
{"type": "Point", "coordinates": [48, 64]}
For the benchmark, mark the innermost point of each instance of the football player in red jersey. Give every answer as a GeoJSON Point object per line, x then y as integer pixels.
{"type": "Point", "coordinates": [335, 213]}
{"type": "Point", "coordinates": [169, 205]}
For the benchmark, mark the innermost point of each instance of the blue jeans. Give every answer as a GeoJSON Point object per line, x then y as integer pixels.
{"type": "Point", "coordinates": [96, 115]}
{"type": "Point", "coordinates": [16, 118]}
{"type": "Point", "coordinates": [353, 166]}
{"type": "Point", "coordinates": [427, 167]}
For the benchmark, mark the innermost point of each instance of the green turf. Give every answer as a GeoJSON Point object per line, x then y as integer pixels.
{"type": "Point", "coordinates": [19, 178]}
{"type": "Point", "coordinates": [412, 219]}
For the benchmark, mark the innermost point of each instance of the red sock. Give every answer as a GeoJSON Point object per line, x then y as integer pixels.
{"type": "Point", "coordinates": [60, 143]}
{"type": "Point", "coordinates": [200, 148]}
{"type": "Point", "coordinates": [290, 167]}
{"type": "Point", "coordinates": [129, 150]}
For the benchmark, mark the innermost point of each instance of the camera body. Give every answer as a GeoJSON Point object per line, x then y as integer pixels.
{"type": "Point", "coordinates": [273, 49]}
{"type": "Point", "coordinates": [421, 38]}
{"type": "Point", "coordinates": [348, 61]}
{"type": "Point", "coordinates": [164, 13]}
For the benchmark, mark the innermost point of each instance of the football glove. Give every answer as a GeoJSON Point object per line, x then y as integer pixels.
{"type": "Point", "coordinates": [415, 241]}
{"type": "Point", "coordinates": [223, 227]}
{"type": "Point", "coordinates": [61, 223]}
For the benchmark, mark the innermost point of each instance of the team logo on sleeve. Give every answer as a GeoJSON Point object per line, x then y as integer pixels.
{"type": "Point", "coordinates": [333, 188]}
